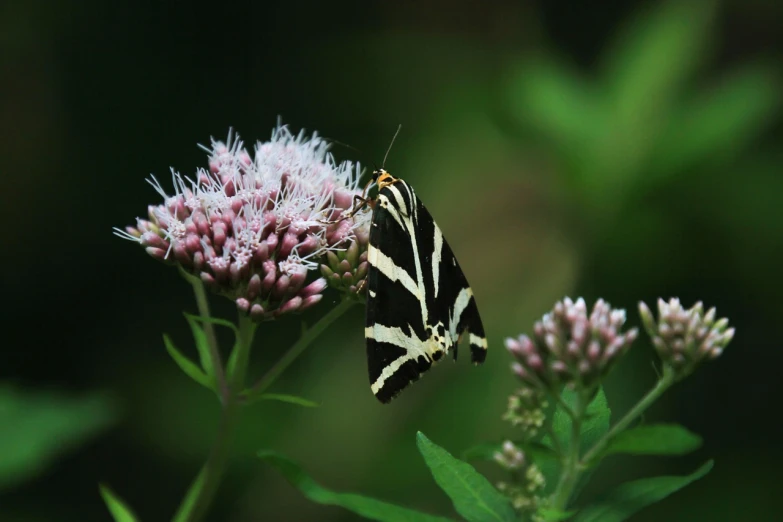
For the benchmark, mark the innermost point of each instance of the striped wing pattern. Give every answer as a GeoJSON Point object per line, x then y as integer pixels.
{"type": "Point", "coordinates": [419, 302]}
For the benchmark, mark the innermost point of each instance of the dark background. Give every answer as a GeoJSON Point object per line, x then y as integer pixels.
{"type": "Point", "coordinates": [625, 150]}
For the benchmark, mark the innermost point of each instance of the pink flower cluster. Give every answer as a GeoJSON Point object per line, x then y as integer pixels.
{"type": "Point", "coordinates": [252, 227]}
{"type": "Point", "coordinates": [569, 346]}
{"type": "Point", "coordinates": [684, 338]}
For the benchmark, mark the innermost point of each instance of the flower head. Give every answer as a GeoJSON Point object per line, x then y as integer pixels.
{"type": "Point", "coordinates": [685, 338]}
{"type": "Point", "coordinates": [510, 457]}
{"type": "Point", "coordinates": [253, 227]}
{"type": "Point", "coordinates": [527, 479]}
{"type": "Point", "coordinates": [347, 269]}
{"type": "Point", "coordinates": [569, 346]}
{"type": "Point", "coordinates": [526, 410]}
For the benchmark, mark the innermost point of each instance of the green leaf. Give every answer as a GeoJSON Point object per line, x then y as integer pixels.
{"type": "Point", "coordinates": [654, 439]}
{"type": "Point", "coordinates": [557, 103]}
{"type": "Point", "coordinates": [595, 423]}
{"type": "Point", "coordinates": [483, 451]}
{"type": "Point", "coordinates": [363, 506]}
{"type": "Point", "coordinates": [213, 320]}
{"type": "Point", "coordinates": [554, 515]}
{"type": "Point", "coordinates": [473, 496]}
{"type": "Point", "coordinates": [231, 365]}
{"type": "Point", "coordinates": [233, 358]}
{"type": "Point", "coordinates": [486, 451]}
{"type": "Point", "coordinates": [184, 511]}
{"type": "Point", "coordinates": [721, 122]}
{"type": "Point", "coordinates": [119, 511]}
{"type": "Point", "coordinates": [36, 428]}
{"type": "Point", "coordinates": [655, 56]}
{"type": "Point", "coordinates": [202, 345]}
{"type": "Point", "coordinates": [543, 456]}
{"type": "Point", "coordinates": [646, 72]}
{"type": "Point", "coordinates": [186, 365]}
{"type": "Point", "coordinates": [633, 496]}
{"type": "Point", "coordinates": [291, 399]}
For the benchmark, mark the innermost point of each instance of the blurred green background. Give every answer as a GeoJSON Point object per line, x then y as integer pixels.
{"type": "Point", "coordinates": [625, 150]}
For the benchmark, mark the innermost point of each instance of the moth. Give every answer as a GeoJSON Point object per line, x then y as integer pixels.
{"type": "Point", "coordinates": [419, 303]}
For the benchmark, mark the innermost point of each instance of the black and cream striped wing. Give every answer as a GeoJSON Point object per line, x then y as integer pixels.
{"type": "Point", "coordinates": [419, 302]}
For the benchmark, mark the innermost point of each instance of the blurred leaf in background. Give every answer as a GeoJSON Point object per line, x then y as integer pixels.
{"type": "Point", "coordinates": [119, 511]}
{"type": "Point", "coordinates": [642, 118]}
{"type": "Point", "coordinates": [38, 427]}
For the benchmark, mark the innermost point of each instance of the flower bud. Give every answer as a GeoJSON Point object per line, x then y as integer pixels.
{"type": "Point", "coordinates": [346, 270]}
{"type": "Point", "coordinates": [243, 304]}
{"type": "Point", "coordinates": [527, 479]}
{"type": "Point", "coordinates": [292, 305]}
{"type": "Point", "coordinates": [511, 457]}
{"type": "Point", "coordinates": [526, 410]}
{"type": "Point", "coordinates": [684, 338]}
{"type": "Point", "coordinates": [254, 287]}
{"type": "Point", "coordinates": [310, 301]}
{"type": "Point", "coordinates": [257, 312]}
{"type": "Point", "coordinates": [570, 347]}
{"type": "Point", "coordinates": [314, 288]}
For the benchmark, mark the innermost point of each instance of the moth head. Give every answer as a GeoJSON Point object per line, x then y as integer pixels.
{"type": "Point", "coordinates": [383, 178]}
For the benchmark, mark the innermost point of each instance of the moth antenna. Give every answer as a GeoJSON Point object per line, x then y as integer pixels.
{"type": "Point", "coordinates": [390, 145]}
{"type": "Point", "coordinates": [331, 140]}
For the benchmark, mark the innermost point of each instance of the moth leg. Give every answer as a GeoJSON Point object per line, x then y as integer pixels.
{"type": "Point", "coordinates": [352, 213]}
{"type": "Point", "coordinates": [365, 201]}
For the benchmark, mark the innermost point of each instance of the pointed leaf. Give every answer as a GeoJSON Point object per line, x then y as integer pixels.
{"type": "Point", "coordinates": [119, 511]}
{"type": "Point", "coordinates": [204, 350]}
{"type": "Point", "coordinates": [554, 515]}
{"type": "Point", "coordinates": [291, 399]}
{"type": "Point", "coordinates": [721, 122]}
{"type": "Point", "coordinates": [231, 365]}
{"type": "Point", "coordinates": [363, 506]}
{"type": "Point", "coordinates": [202, 345]}
{"type": "Point", "coordinates": [186, 365]}
{"type": "Point", "coordinates": [183, 513]}
{"type": "Point", "coordinates": [473, 496]}
{"type": "Point", "coordinates": [654, 439]}
{"type": "Point", "coordinates": [213, 320]}
{"type": "Point", "coordinates": [633, 496]}
{"type": "Point", "coordinates": [655, 56]}
{"type": "Point", "coordinates": [596, 422]}
{"type": "Point", "coordinates": [29, 420]}
{"type": "Point", "coordinates": [646, 73]}
{"type": "Point", "coordinates": [557, 103]}
{"type": "Point", "coordinates": [594, 426]}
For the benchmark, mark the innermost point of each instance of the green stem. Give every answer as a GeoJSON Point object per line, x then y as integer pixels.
{"type": "Point", "coordinates": [300, 346]}
{"type": "Point", "coordinates": [247, 329]}
{"type": "Point", "coordinates": [209, 329]}
{"type": "Point", "coordinates": [573, 466]}
{"type": "Point", "coordinates": [204, 488]}
{"type": "Point", "coordinates": [569, 475]}
{"type": "Point", "coordinates": [663, 384]}
{"type": "Point", "coordinates": [209, 479]}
